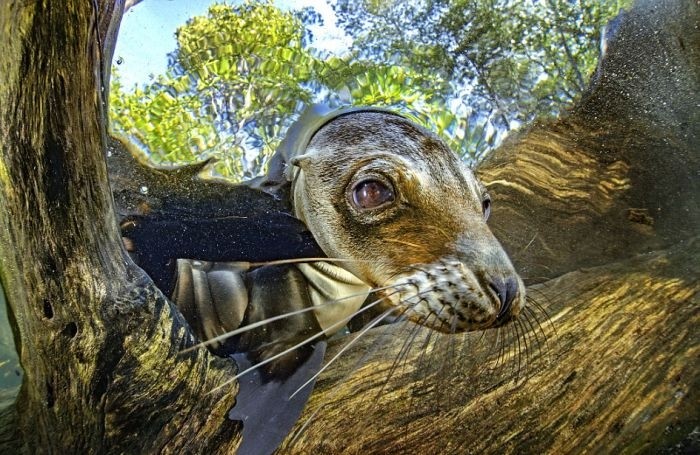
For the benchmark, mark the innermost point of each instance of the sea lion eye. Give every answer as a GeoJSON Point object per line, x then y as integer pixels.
{"type": "Point", "coordinates": [486, 207]}
{"type": "Point", "coordinates": [371, 194]}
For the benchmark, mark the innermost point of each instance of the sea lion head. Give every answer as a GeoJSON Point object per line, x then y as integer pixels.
{"type": "Point", "coordinates": [410, 218]}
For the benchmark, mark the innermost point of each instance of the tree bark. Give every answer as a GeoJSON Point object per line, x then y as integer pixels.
{"type": "Point", "coordinates": [618, 372]}
{"type": "Point", "coordinates": [98, 342]}
{"type": "Point", "coordinates": [617, 176]}
{"type": "Point", "coordinates": [599, 207]}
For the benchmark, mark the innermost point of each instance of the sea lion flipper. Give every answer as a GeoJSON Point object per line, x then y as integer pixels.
{"type": "Point", "coordinates": [184, 295]}
{"type": "Point", "coordinates": [229, 294]}
{"type": "Point", "coordinates": [264, 431]}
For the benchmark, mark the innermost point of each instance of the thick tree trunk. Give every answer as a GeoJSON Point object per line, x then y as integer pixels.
{"type": "Point", "coordinates": [617, 176]}
{"type": "Point", "coordinates": [98, 342]}
{"type": "Point", "coordinates": [615, 179]}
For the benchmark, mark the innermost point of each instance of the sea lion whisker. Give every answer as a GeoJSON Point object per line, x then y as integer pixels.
{"type": "Point", "coordinates": [533, 330]}
{"type": "Point", "coordinates": [347, 346]}
{"type": "Point", "coordinates": [469, 346]}
{"type": "Point", "coordinates": [528, 245]}
{"type": "Point", "coordinates": [401, 359]}
{"type": "Point", "coordinates": [250, 265]}
{"type": "Point", "coordinates": [424, 348]}
{"type": "Point", "coordinates": [445, 355]}
{"type": "Point", "coordinates": [481, 339]}
{"type": "Point", "coordinates": [386, 330]}
{"type": "Point", "coordinates": [424, 359]}
{"type": "Point", "coordinates": [263, 322]}
{"type": "Point", "coordinates": [405, 348]}
{"type": "Point", "coordinates": [404, 242]}
{"type": "Point", "coordinates": [544, 295]}
{"type": "Point", "coordinates": [441, 231]}
{"type": "Point", "coordinates": [482, 366]}
{"type": "Point", "coordinates": [423, 365]}
{"type": "Point", "coordinates": [530, 330]}
{"type": "Point", "coordinates": [268, 360]}
{"type": "Point", "coordinates": [526, 343]}
{"type": "Point", "coordinates": [501, 348]}
{"type": "Point", "coordinates": [402, 355]}
{"type": "Point", "coordinates": [310, 419]}
{"type": "Point", "coordinates": [517, 349]}
{"type": "Point", "coordinates": [462, 345]}
{"type": "Point", "coordinates": [542, 310]}
{"type": "Point", "coordinates": [534, 307]}
{"type": "Point", "coordinates": [497, 350]}
{"type": "Point", "coordinates": [313, 337]}
{"type": "Point", "coordinates": [293, 348]}
{"type": "Point", "coordinates": [512, 345]}
{"type": "Point", "coordinates": [415, 330]}
{"type": "Point", "coordinates": [541, 329]}
{"type": "Point", "coordinates": [520, 346]}
{"type": "Point", "coordinates": [351, 315]}
{"type": "Point", "coordinates": [416, 267]}
{"type": "Point", "coordinates": [534, 342]}
{"type": "Point", "coordinates": [507, 344]}
{"type": "Point", "coordinates": [453, 324]}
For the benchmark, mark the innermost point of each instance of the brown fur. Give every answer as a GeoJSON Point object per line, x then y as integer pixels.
{"type": "Point", "coordinates": [437, 219]}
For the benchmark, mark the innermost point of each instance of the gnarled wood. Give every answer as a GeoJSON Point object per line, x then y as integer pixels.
{"type": "Point", "coordinates": [620, 374]}
{"type": "Point", "coordinates": [617, 176]}
{"type": "Point", "coordinates": [98, 342]}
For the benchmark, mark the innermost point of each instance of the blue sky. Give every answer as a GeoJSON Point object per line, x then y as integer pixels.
{"type": "Point", "coordinates": [147, 34]}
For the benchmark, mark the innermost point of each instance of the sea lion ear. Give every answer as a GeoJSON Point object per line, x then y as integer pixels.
{"type": "Point", "coordinates": [301, 161]}
{"type": "Point", "coordinates": [295, 165]}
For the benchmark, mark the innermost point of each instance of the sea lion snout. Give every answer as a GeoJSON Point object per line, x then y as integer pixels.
{"type": "Point", "coordinates": [499, 281]}
{"type": "Point", "coordinates": [507, 291]}
{"type": "Point", "coordinates": [454, 295]}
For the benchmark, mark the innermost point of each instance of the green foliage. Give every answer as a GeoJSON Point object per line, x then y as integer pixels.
{"type": "Point", "coordinates": [510, 60]}
{"type": "Point", "coordinates": [466, 69]}
{"type": "Point", "coordinates": [235, 79]}
{"type": "Point", "coordinates": [161, 117]}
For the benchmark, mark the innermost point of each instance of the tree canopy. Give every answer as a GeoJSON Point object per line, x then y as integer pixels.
{"type": "Point", "coordinates": [469, 70]}
{"type": "Point", "coordinates": [508, 60]}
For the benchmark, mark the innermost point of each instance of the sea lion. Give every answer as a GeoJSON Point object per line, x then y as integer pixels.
{"type": "Point", "coordinates": [401, 213]}
{"type": "Point", "coordinates": [385, 193]}
{"type": "Point", "coordinates": [395, 212]}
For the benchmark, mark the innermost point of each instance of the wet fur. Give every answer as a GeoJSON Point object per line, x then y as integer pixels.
{"type": "Point", "coordinates": [436, 220]}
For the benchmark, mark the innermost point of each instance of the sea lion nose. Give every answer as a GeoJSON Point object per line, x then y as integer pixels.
{"type": "Point", "coordinates": [506, 291]}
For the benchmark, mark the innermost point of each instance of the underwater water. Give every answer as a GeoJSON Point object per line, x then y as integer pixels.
{"type": "Point", "coordinates": [585, 165]}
